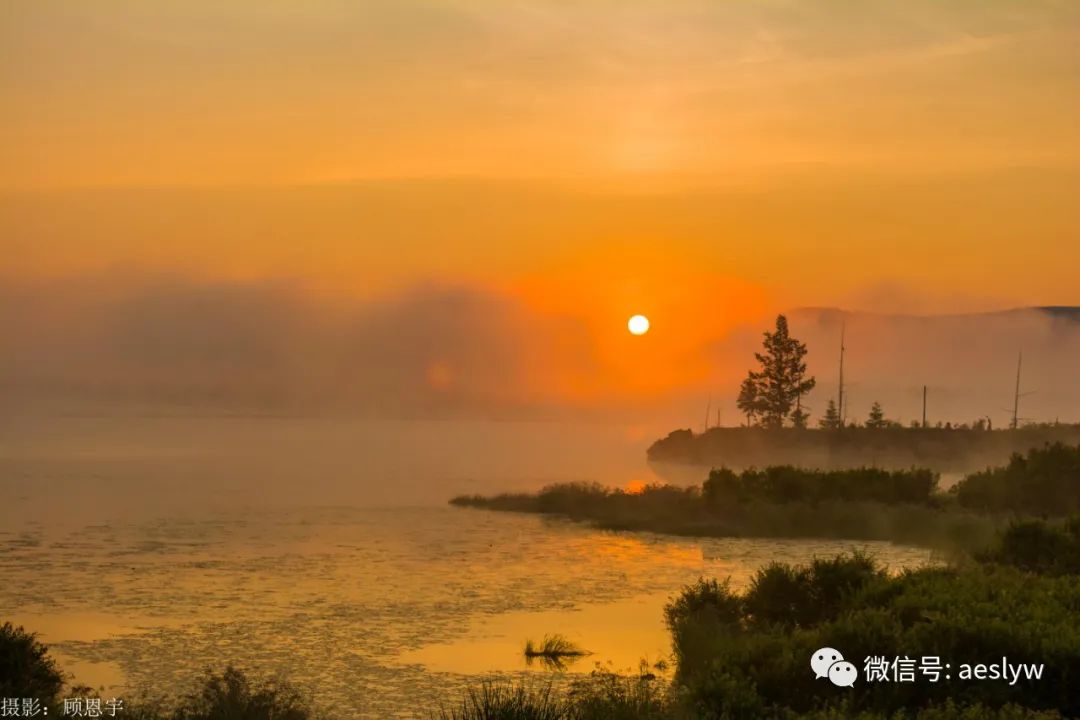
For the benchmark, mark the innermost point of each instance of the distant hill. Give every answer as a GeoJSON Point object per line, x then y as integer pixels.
{"type": "Point", "coordinates": [1066, 312]}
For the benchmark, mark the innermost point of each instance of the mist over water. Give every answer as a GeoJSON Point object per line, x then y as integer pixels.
{"type": "Point", "coordinates": [145, 550]}
{"type": "Point", "coordinates": [967, 362]}
{"type": "Point", "coordinates": [174, 462]}
{"type": "Point", "coordinates": [174, 345]}
{"type": "Point", "coordinates": [202, 474]}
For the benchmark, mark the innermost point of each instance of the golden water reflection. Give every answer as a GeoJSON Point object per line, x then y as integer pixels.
{"type": "Point", "coordinates": [616, 634]}
{"type": "Point", "coordinates": [375, 611]}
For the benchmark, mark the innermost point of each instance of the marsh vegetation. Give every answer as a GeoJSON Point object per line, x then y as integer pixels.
{"type": "Point", "coordinates": [556, 652]}
{"type": "Point", "coordinates": [862, 503]}
{"type": "Point", "coordinates": [744, 654]}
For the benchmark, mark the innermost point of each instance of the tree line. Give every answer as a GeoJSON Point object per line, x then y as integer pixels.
{"type": "Point", "coordinates": [771, 396]}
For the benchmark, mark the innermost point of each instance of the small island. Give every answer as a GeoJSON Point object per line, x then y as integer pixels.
{"type": "Point", "coordinates": [777, 430]}
{"type": "Point", "coordinates": [946, 449]}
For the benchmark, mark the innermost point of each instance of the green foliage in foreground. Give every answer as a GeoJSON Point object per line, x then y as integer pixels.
{"type": "Point", "coordinates": [506, 701]}
{"type": "Point", "coordinates": [599, 696]}
{"type": "Point", "coordinates": [26, 669]}
{"type": "Point", "coordinates": [231, 696]}
{"type": "Point", "coordinates": [1039, 546]}
{"type": "Point", "coordinates": [1045, 481]}
{"type": "Point", "coordinates": [514, 702]}
{"type": "Point", "coordinates": [753, 662]}
{"type": "Point", "coordinates": [746, 654]}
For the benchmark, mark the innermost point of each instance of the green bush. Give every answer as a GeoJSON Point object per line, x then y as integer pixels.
{"type": "Point", "coordinates": [506, 701]}
{"type": "Point", "coordinates": [788, 484]}
{"type": "Point", "coordinates": [606, 695]}
{"type": "Point", "coordinates": [779, 594]}
{"type": "Point", "coordinates": [702, 614]}
{"type": "Point", "coordinates": [947, 711]}
{"type": "Point", "coordinates": [1045, 481]}
{"type": "Point", "coordinates": [26, 668]}
{"type": "Point", "coordinates": [835, 581]}
{"type": "Point", "coordinates": [1039, 546]}
{"type": "Point", "coordinates": [704, 512]}
{"type": "Point", "coordinates": [231, 696]}
{"type": "Point", "coordinates": [757, 665]}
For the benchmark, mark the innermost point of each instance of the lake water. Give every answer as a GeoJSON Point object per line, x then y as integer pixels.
{"type": "Point", "coordinates": [146, 550]}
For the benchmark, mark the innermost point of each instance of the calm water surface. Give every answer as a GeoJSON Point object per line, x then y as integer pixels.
{"type": "Point", "coordinates": [144, 553]}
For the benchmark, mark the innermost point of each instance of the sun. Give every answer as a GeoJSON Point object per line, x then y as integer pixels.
{"type": "Point", "coordinates": [638, 325]}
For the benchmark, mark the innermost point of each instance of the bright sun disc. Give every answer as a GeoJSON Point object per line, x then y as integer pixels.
{"type": "Point", "coordinates": [638, 325]}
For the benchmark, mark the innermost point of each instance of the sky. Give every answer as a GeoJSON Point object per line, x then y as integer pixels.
{"type": "Point", "coordinates": [552, 166]}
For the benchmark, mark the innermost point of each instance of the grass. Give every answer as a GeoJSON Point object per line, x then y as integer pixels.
{"type": "Point", "coordinates": [744, 654]}
{"type": "Point", "coordinates": [506, 701]}
{"type": "Point", "coordinates": [556, 652]}
{"type": "Point", "coordinates": [28, 671]}
{"type": "Point", "coordinates": [689, 512]}
{"type": "Point", "coordinates": [859, 504]}
{"type": "Point", "coordinates": [601, 695]}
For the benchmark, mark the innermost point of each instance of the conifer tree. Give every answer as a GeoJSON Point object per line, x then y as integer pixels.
{"type": "Point", "coordinates": [748, 399]}
{"type": "Point", "coordinates": [831, 421]}
{"type": "Point", "coordinates": [772, 392]}
{"type": "Point", "coordinates": [876, 419]}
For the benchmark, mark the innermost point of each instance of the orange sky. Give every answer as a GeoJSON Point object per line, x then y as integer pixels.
{"type": "Point", "coordinates": [702, 162]}
{"type": "Point", "coordinates": [888, 142]}
{"type": "Point", "coordinates": [131, 92]}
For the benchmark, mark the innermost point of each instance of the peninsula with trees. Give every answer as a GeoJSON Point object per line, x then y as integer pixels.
{"type": "Point", "coordinates": [777, 429]}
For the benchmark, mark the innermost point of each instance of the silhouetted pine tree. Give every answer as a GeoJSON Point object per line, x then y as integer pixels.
{"type": "Point", "coordinates": [877, 417]}
{"type": "Point", "coordinates": [773, 391]}
{"type": "Point", "coordinates": [831, 421]}
{"type": "Point", "coordinates": [748, 399]}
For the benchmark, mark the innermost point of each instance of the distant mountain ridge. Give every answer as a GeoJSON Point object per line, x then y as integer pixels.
{"type": "Point", "coordinates": [1067, 312]}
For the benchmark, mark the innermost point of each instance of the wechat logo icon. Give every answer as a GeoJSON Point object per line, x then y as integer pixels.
{"type": "Point", "coordinates": [829, 663]}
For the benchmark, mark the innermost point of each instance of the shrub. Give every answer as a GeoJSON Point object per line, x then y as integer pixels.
{"type": "Point", "coordinates": [788, 484]}
{"type": "Point", "coordinates": [504, 701]}
{"type": "Point", "coordinates": [1046, 481]}
{"type": "Point", "coordinates": [779, 594]}
{"type": "Point", "coordinates": [26, 668]}
{"type": "Point", "coordinates": [835, 581]}
{"type": "Point", "coordinates": [231, 696]}
{"type": "Point", "coordinates": [699, 615]}
{"type": "Point", "coordinates": [611, 696]}
{"type": "Point", "coordinates": [710, 601]}
{"type": "Point", "coordinates": [969, 615]}
{"type": "Point", "coordinates": [1039, 546]}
